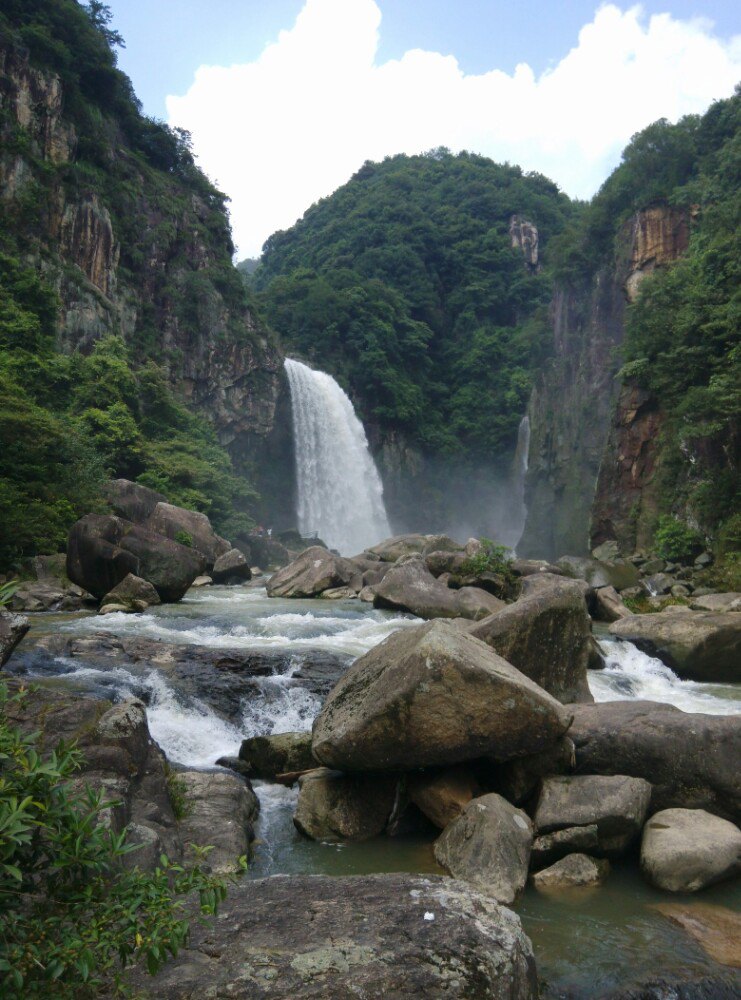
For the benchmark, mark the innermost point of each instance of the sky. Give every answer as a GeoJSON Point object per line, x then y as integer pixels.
{"type": "Point", "coordinates": [286, 99]}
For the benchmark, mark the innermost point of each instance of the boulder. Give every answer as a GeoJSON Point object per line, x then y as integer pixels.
{"type": "Point", "coordinates": [445, 562]}
{"type": "Point", "coordinates": [552, 847]}
{"type": "Point", "coordinates": [202, 581]}
{"type": "Point", "coordinates": [339, 594]}
{"type": "Point", "coordinates": [368, 936]}
{"type": "Point", "coordinates": [518, 779]}
{"type": "Point", "coordinates": [411, 587]}
{"type": "Point", "coordinates": [684, 850]}
{"type": "Point", "coordinates": [607, 605]}
{"type": "Point", "coordinates": [488, 845]}
{"type": "Point", "coordinates": [493, 583]}
{"type": "Point", "coordinates": [608, 551]}
{"type": "Point", "coordinates": [48, 595]}
{"type": "Point", "coordinates": [617, 805]}
{"type": "Point", "coordinates": [333, 806]}
{"type": "Point", "coordinates": [403, 545]}
{"type": "Point", "coordinates": [266, 756]}
{"type": "Point", "coordinates": [717, 602]}
{"type": "Point", "coordinates": [432, 695]}
{"type": "Point", "coordinates": [176, 523]}
{"type": "Point", "coordinates": [231, 567]}
{"type": "Point", "coordinates": [532, 567]}
{"type": "Point", "coordinates": [697, 645]}
{"type": "Point", "coordinates": [572, 871]}
{"type": "Point", "coordinates": [264, 550]}
{"type": "Point", "coordinates": [618, 574]}
{"type": "Point", "coordinates": [220, 810]}
{"type": "Point", "coordinates": [12, 630]}
{"type": "Point", "coordinates": [717, 929]}
{"type": "Point", "coordinates": [652, 566]}
{"type": "Point", "coordinates": [132, 594]}
{"type": "Point", "coordinates": [315, 570]}
{"type": "Point", "coordinates": [131, 501]}
{"type": "Point", "coordinates": [443, 795]}
{"type": "Point", "coordinates": [692, 760]}
{"type": "Point", "coordinates": [547, 636]}
{"type": "Point", "coordinates": [658, 584]}
{"type": "Point", "coordinates": [103, 549]}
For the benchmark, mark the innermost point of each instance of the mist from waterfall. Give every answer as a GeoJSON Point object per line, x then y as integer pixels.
{"type": "Point", "coordinates": [519, 474]}
{"type": "Point", "coordinates": [340, 494]}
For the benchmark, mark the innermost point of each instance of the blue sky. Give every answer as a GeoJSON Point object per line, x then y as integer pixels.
{"type": "Point", "coordinates": [286, 98]}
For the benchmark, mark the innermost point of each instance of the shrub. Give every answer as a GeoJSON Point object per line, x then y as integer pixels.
{"type": "Point", "coordinates": [491, 558]}
{"type": "Point", "coordinates": [184, 538]}
{"type": "Point", "coordinates": [71, 917]}
{"type": "Point", "coordinates": [675, 540]}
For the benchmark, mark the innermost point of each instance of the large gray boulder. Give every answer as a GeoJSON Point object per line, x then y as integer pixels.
{"type": "Point", "coordinates": [692, 760]}
{"type": "Point", "coordinates": [102, 550]}
{"type": "Point", "coordinates": [547, 636]}
{"type": "Point", "coordinates": [684, 850]}
{"type": "Point", "coordinates": [607, 605]}
{"type": "Point", "coordinates": [177, 522]}
{"type": "Point", "coordinates": [433, 695]}
{"type": "Point", "coordinates": [333, 806]}
{"type": "Point", "coordinates": [12, 629]}
{"type": "Point", "coordinates": [132, 594]}
{"type": "Point", "coordinates": [315, 570]}
{"type": "Point", "coordinates": [231, 567]}
{"type": "Point", "coordinates": [411, 587]}
{"type": "Point", "coordinates": [617, 805]}
{"type": "Point", "coordinates": [369, 936]}
{"type": "Point", "coordinates": [266, 756]}
{"type": "Point", "coordinates": [573, 871]}
{"type": "Point", "coordinates": [489, 845]}
{"type": "Point", "coordinates": [131, 501]}
{"type": "Point", "coordinates": [697, 645]}
{"type": "Point", "coordinates": [551, 847]}
{"type": "Point", "coordinates": [394, 548]}
{"type": "Point", "coordinates": [618, 574]}
{"type": "Point", "coordinates": [730, 601]}
{"type": "Point", "coordinates": [443, 795]}
{"type": "Point", "coordinates": [219, 811]}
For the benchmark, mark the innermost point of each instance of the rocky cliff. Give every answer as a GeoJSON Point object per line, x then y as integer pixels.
{"type": "Point", "coordinates": [593, 448]}
{"type": "Point", "coordinates": [143, 252]}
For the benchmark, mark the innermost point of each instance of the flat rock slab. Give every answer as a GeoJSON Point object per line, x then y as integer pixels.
{"type": "Point", "coordinates": [573, 871]}
{"type": "Point", "coordinates": [220, 809]}
{"type": "Point", "coordinates": [488, 845]}
{"type": "Point", "coordinates": [697, 645]}
{"type": "Point", "coordinates": [433, 695]}
{"type": "Point", "coordinates": [372, 937]}
{"type": "Point", "coordinates": [617, 805]}
{"type": "Point", "coordinates": [716, 929]}
{"type": "Point", "coordinates": [692, 760]}
{"type": "Point", "coordinates": [684, 850]}
{"type": "Point", "coordinates": [551, 847]}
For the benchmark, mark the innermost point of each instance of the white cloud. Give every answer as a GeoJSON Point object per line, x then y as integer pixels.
{"type": "Point", "coordinates": [289, 128]}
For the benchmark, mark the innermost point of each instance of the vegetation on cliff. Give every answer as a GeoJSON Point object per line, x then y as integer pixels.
{"type": "Point", "coordinates": [87, 370]}
{"type": "Point", "coordinates": [406, 286]}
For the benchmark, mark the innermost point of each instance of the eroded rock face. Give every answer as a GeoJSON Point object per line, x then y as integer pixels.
{"type": "Point", "coordinates": [432, 695]}
{"type": "Point", "coordinates": [698, 645]}
{"type": "Point", "coordinates": [692, 760]}
{"type": "Point", "coordinates": [333, 806]}
{"type": "Point", "coordinates": [371, 936]}
{"type": "Point", "coordinates": [313, 572]}
{"type": "Point", "coordinates": [617, 805]}
{"type": "Point", "coordinates": [684, 850]}
{"type": "Point", "coordinates": [488, 845]}
{"type": "Point", "coordinates": [12, 630]}
{"type": "Point", "coordinates": [546, 635]}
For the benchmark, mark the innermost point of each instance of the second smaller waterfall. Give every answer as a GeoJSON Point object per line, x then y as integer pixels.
{"type": "Point", "coordinates": [340, 495]}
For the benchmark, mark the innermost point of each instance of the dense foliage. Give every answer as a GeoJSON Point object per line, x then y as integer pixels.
{"type": "Point", "coordinates": [68, 420]}
{"type": "Point", "coordinates": [71, 916]}
{"type": "Point", "coordinates": [405, 285]}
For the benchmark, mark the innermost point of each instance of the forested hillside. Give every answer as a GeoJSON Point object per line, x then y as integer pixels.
{"type": "Point", "coordinates": [406, 285]}
{"type": "Point", "coordinates": [118, 297]}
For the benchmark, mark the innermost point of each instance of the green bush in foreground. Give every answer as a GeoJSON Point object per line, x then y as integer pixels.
{"type": "Point", "coordinates": [71, 917]}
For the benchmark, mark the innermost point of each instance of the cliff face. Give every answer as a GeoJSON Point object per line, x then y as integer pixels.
{"type": "Point", "coordinates": [594, 449]}
{"type": "Point", "coordinates": [135, 252]}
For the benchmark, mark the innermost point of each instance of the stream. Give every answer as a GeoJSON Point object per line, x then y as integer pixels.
{"type": "Point", "coordinates": [587, 942]}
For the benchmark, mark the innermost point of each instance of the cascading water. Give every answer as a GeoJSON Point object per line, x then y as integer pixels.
{"type": "Point", "coordinates": [340, 495]}
{"type": "Point", "coordinates": [522, 456]}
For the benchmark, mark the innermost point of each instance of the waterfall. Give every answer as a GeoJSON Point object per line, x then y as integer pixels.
{"type": "Point", "coordinates": [512, 510]}
{"type": "Point", "coordinates": [340, 495]}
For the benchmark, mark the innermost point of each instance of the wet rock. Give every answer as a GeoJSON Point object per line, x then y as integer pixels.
{"type": "Point", "coordinates": [411, 587]}
{"type": "Point", "coordinates": [717, 602]}
{"type": "Point", "coordinates": [547, 636]}
{"type": "Point", "coordinates": [716, 929]}
{"type": "Point", "coordinates": [220, 810]}
{"type": "Point", "coordinates": [132, 594]}
{"type": "Point", "coordinates": [443, 795]}
{"type": "Point", "coordinates": [519, 778]}
{"type": "Point", "coordinates": [367, 595]}
{"type": "Point", "coordinates": [572, 871]}
{"type": "Point", "coordinates": [445, 562]}
{"type": "Point", "coordinates": [692, 760]}
{"type": "Point", "coordinates": [552, 847]}
{"type": "Point", "coordinates": [314, 571]}
{"type": "Point", "coordinates": [488, 845]}
{"type": "Point", "coordinates": [333, 806]}
{"type": "Point", "coordinates": [607, 605]}
{"type": "Point", "coordinates": [176, 523]}
{"type": "Point", "coordinates": [266, 756]}
{"type": "Point", "coordinates": [697, 645]}
{"type": "Point", "coordinates": [618, 574]}
{"type": "Point", "coordinates": [47, 595]}
{"type": "Point", "coordinates": [202, 581]}
{"type": "Point", "coordinates": [339, 594]}
{"type": "Point", "coordinates": [342, 938]}
{"type": "Point", "coordinates": [432, 695]}
{"type": "Point", "coordinates": [132, 501]}
{"type": "Point", "coordinates": [12, 630]}
{"type": "Point", "coordinates": [231, 567]}
{"type": "Point", "coordinates": [102, 550]}
{"type": "Point", "coordinates": [617, 805]}
{"type": "Point", "coordinates": [403, 545]}
{"type": "Point", "coordinates": [684, 850]}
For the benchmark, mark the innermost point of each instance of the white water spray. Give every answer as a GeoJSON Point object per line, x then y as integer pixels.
{"type": "Point", "coordinates": [340, 495]}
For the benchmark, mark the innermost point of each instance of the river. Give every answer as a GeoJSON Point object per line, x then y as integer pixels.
{"type": "Point", "coordinates": [587, 942]}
